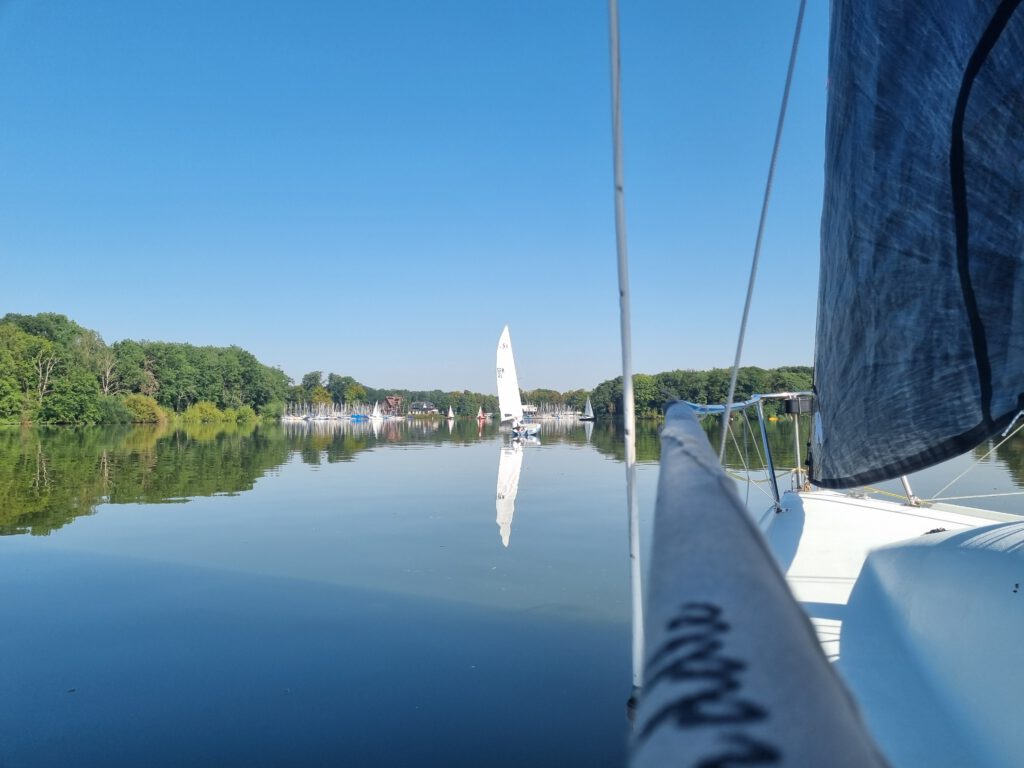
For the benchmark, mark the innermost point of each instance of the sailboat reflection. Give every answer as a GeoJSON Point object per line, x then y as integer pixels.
{"type": "Point", "coordinates": [510, 464]}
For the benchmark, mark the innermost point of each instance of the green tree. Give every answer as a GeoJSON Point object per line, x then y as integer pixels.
{"type": "Point", "coordinates": [112, 410]}
{"type": "Point", "coordinates": [131, 368]}
{"type": "Point", "coordinates": [607, 397]}
{"type": "Point", "coordinates": [48, 355]}
{"type": "Point", "coordinates": [17, 373]}
{"type": "Point", "coordinates": [320, 396]}
{"type": "Point", "coordinates": [575, 399]}
{"type": "Point", "coordinates": [647, 396]}
{"type": "Point", "coordinates": [144, 409]}
{"type": "Point", "coordinates": [73, 399]}
{"type": "Point", "coordinates": [311, 381]}
{"type": "Point", "coordinates": [203, 412]}
{"type": "Point", "coordinates": [356, 393]}
{"type": "Point", "coordinates": [345, 389]}
{"type": "Point", "coordinates": [57, 329]}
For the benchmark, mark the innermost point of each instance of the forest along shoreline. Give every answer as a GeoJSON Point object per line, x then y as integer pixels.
{"type": "Point", "coordinates": [55, 371]}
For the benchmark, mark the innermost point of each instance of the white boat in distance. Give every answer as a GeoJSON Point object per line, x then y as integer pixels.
{"type": "Point", "coordinates": [376, 415]}
{"type": "Point", "coordinates": [510, 404]}
{"type": "Point", "coordinates": [588, 412]}
{"type": "Point", "coordinates": [451, 413]}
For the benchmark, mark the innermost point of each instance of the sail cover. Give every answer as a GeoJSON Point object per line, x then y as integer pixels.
{"type": "Point", "coordinates": [920, 338]}
{"type": "Point", "coordinates": [734, 674]}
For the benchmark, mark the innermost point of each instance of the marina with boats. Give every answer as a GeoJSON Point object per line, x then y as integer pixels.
{"type": "Point", "coordinates": [302, 412]}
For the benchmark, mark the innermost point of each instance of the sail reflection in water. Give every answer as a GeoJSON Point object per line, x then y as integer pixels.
{"type": "Point", "coordinates": [510, 464]}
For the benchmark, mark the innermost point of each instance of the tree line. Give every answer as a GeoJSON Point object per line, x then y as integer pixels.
{"type": "Point", "coordinates": [54, 371]}
{"type": "Point", "coordinates": [653, 393]}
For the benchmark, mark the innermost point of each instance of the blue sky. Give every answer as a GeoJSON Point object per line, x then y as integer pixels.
{"type": "Point", "coordinates": [375, 189]}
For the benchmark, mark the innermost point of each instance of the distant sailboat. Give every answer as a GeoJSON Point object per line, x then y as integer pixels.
{"type": "Point", "coordinates": [451, 413]}
{"type": "Point", "coordinates": [480, 413]}
{"type": "Point", "coordinates": [510, 464]}
{"type": "Point", "coordinates": [509, 402]}
{"type": "Point", "coordinates": [376, 415]}
{"type": "Point", "coordinates": [588, 412]}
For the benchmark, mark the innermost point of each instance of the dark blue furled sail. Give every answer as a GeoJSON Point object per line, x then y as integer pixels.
{"type": "Point", "coordinates": [920, 338]}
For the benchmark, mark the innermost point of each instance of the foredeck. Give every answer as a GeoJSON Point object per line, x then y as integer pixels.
{"type": "Point", "coordinates": [821, 540]}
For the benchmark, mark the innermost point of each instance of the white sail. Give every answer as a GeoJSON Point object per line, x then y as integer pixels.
{"type": "Point", "coordinates": [451, 413]}
{"type": "Point", "coordinates": [588, 410]}
{"type": "Point", "coordinates": [509, 403]}
{"type": "Point", "coordinates": [480, 413]}
{"type": "Point", "coordinates": [510, 464]}
{"type": "Point", "coordinates": [376, 412]}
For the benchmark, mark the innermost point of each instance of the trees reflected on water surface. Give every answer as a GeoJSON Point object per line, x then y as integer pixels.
{"type": "Point", "coordinates": [50, 476]}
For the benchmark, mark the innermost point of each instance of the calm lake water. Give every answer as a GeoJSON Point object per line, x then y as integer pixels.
{"type": "Point", "coordinates": [329, 596]}
{"type": "Point", "coordinates": [313, 597]}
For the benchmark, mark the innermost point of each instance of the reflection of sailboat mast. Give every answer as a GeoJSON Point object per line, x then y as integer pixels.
{"type": "Point", "coordinates": [510, 464]}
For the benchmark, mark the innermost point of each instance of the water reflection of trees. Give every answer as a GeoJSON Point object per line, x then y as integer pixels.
{"type": "Point", "coordinates": [48, 477]}
{"type": "Point", "coordinates": [1010, 454]}
{"type": "Point", "coordinates": [608, 438]}
{"type": "Point", "coordinates": [744, 447]}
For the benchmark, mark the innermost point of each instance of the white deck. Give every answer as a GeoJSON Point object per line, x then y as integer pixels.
{"type": "Point", "coordinates": [905, 672]}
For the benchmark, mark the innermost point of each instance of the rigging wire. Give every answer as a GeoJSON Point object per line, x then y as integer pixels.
{"type": "Point", "coordinates": [976, 463]}
{"type": "Point", "coordinates": [938, 495]}
{"type": "Point", "coordinates": [745, 477]}
{"type": "Point", "coordinates": [760, 226]}
{"type": "Point", "coordinates": [978, 496]}
{"type": "Point", "coordinates": [629, 415]}
{"type": "Point", "coordinates": [753, 439]}
{"type": "Point", "coordinates": [739, 451]}
{"type": "Point", "coordinates": [746, 464]}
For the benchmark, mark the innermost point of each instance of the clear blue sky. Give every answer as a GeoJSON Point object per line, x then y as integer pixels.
{"type": "Point", "coordinates": [376, 188]}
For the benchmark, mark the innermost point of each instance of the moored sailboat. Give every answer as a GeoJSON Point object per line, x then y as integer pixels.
{"type": "Point", "coordinates": [376, 415]}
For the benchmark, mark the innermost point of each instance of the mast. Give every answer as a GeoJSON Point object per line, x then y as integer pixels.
{"type": "Point", "coordinates": [629, 416]}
